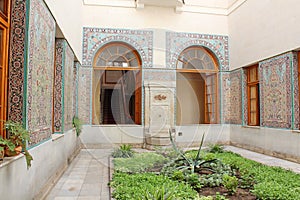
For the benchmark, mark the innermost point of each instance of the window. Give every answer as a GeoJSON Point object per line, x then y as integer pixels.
{"type": "Point", "coordinates": [4, 36]}
{"type": "Point", "coordinates": [253, 95]}
{"type": "Point", "coordinates": [117, 85]}
{"type": "Point", "coordinates": [197, 86]}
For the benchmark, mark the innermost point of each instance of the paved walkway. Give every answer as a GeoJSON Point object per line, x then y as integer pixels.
{"type": "Point", "coordinates": [85, 179]}
{"type": "Point", "coordinates": [88, 175]}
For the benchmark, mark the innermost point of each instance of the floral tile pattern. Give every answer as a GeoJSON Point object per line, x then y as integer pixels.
{"type": "Point", "coordinates": [40, 71]}
{"type": "Point", "coordinates": [275, 91]}
{"type": "Point", "coordinates": [95, 38]}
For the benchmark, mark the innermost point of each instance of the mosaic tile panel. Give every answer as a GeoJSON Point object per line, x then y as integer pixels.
{"type": "Point", "coordinates": [177, 42]}
{"type": "Point", "coordinates": [58, 88]}
{"type": "Point", "coordinates": [84, 94]}
{"type": "Point", "coordinates": [226, 97]}
{"type": "Point", "coordinates": [16, 60]}
{"type": "Point", "coordinates": [244, 97]}
{"type": "Point", "coordinates": [95, 38]}
{"type": "Point", "coordinates": [296, 91]}
{"type": "Point", "coordinates": [75, 85]}
{"type": "Point", "coordinates": [63, 87]}
{"type": "Point", "coordinates": [40, 71]}
{"type": "Point", "coordinates": [68, 87]}
{"type": "Point", "coordinates": [275, 91]}
{"type": "Point", "coordinates": [236, 97]}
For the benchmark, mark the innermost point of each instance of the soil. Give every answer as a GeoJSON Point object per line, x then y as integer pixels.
{"type": "Point", "coordinates": [241, 194]}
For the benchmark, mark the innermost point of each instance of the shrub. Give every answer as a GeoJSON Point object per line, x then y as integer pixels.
{"type": "Point", "coordinates": [215, 148]}
{"type": "Point", "coordinates": [230, 183]}
{"type": "Point", "coordinates": [124, 151]}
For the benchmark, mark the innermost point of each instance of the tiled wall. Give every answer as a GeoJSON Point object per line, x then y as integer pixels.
{"type": "Point", "coordinates": [63, 87]}
{"type": "Point", "coordinates": [40, 67]}
{"type": "Point", "coordinates": [84, 94]}
{"type": "Point", "coordinates": [176, 42]}
{"type": "Point", "coordinates": [276, 91]}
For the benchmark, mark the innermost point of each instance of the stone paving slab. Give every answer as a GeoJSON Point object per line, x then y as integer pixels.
{"type": "Point", "coordinates": [85, 179]}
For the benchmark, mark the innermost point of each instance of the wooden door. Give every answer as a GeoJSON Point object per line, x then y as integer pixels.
{"type": "Point", "coordinates": [138, 97]}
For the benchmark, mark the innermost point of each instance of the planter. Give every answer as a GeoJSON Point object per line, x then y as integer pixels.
{"type": "Point", "coordinates": [16, 151]}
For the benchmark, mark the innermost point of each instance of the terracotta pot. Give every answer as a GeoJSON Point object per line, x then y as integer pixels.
{"type": "Point", "coordinates": [17, 151]}
{"type": "Point", "coordinates": [1, 155]}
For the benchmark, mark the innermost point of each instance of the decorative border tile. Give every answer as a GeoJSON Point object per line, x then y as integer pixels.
{"type": "Point", "coordinates": [245, 97]}
{"type": "Point", "coordinates": [95, 38]}
{"type": "Point", "coordinates": [40, 72]}
{"type": "Point", "coordinates": [225, 95]}
{"type": "Point", "coordinates": [85, 94]}
{"type": "Point", "coordinates": [275, 91]}
{"type": "Point", "coordinates": [236, 97]}
{"type": "Point", "coordinates": [177, 42]}
{"type": "Point", "coordinates": [16, 60]}
{"type": "Point", "coordinates": [295, 85]}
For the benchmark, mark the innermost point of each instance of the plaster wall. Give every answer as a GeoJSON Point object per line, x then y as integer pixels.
{"type": "Point", "coordinates": [191, 135]}
{"type": "Point", "coordinates": [154, 18]}
{"type": "Point", "coordinates": [262, 29]}
{"type": "Point", "coordinates": [107, 136]}
{"type": "Point", "coordinates": [275, 142]}
{"type": "Point", "coordinates": [68, 16]}
{"type": "Point", "coordinates": [36, 180]}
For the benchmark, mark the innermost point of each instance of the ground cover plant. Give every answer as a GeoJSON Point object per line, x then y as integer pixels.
{"type": "Point", "coordinates": [210, 174]}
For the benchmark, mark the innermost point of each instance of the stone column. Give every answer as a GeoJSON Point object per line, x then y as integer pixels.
{"type": "Point", "coordinates": [159, 112]}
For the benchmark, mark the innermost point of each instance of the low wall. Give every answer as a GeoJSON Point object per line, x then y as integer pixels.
{"type": "Point", "coordinates": [107, 136]}
{"type": "Point", "coordinates": [275, 142]}
{"type": "Point", "coordinates": [50, 159]}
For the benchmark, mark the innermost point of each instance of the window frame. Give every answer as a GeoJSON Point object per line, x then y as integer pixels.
{"type": "Point", "coordinates": [251, 84]}
{"type": "Point", "coordinates": [208, 73]}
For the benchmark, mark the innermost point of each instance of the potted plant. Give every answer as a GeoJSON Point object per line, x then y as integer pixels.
{"type": "Point", "coordinates": [17, 141]}
{"type": "Point", "coordinates": [5, 144]}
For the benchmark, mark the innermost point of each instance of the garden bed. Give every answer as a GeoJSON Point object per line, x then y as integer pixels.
{"type": "Point", "coordinates": [212, 174]}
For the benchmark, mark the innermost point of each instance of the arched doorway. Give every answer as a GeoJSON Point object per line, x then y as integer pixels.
{"type": "Point", "coordinates": [117, 85]}
{"type": "Point", "coordinates": [197, 87]}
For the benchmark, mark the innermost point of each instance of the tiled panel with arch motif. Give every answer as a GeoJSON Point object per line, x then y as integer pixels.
{"type": "Point", "coordinates": [95, 38]}
{"type": "Point", "coordinates": [236, 97]}
{"type": "Point", "coordinates": [226, 105]}
{"type": "Point", "coordinates": [275, 91]}
{"type": "Point", "coordinates": [40, 69]}
{"type": "Point", "coordinates": [296, 91]}
{"type": "Point", "coordinates": [176, 42]}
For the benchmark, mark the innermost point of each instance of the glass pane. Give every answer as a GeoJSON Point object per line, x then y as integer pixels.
{"type": "Point", "coordinates": [122, 50]}
{"type": "Point", "coordinates": [253, 74]}
{"type": "Point", "coordinates": [200, 54]}
{"type": "Point", "coordinates": [253, 105]}
{"type": "Point", "coordinates": [133, 63]}
{"type": "Point", "coordinates": [101, 62]}
{"type": "Point", "coordinates": [253, 92]}
{"type": "Point", "coordinates": [105, 54]}
{"type": "Point", "coordinates": [130, 55]}
{"type": "Point", "coordinates": [113, 50]}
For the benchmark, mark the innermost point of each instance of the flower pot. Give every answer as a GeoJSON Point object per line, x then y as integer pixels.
{"type": "Point", "coordinates": [16, 151]}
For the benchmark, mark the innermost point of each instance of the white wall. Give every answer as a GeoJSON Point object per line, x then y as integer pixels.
{"type": "Point", "coordinates": [49, 160]}
{"type": "Point", "coordinates": [260, 29]}
{"type": "Point", "coordinates": [154, 18]}
{"type": "Point", "coordinates": [68, 16]}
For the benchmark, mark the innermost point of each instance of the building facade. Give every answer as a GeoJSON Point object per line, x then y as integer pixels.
{"type": "Point", "coordinates": [134, 71]}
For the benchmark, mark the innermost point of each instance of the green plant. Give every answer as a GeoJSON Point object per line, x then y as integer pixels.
{"type": "Point", "coordinates": [77, 124]}
{"type": "Point", "coordinates": [139, 162]}
{"type": "Point", "coordinates": [136, 186]}
{"type": "Point", "coordinates": [163, 193]}
{"type": "Point", "coordinates": [195, 164]}
{"type": "Point", "coordinates": [230, 183]}
{"type": "Point", "coordinates": [124, 151]}
{"type": "Point", "coordinates": [220, 197]}
{"type": "Point", "coordinates": [215, 148]}
{"type": "Point", "coordinates": [18, 136]}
